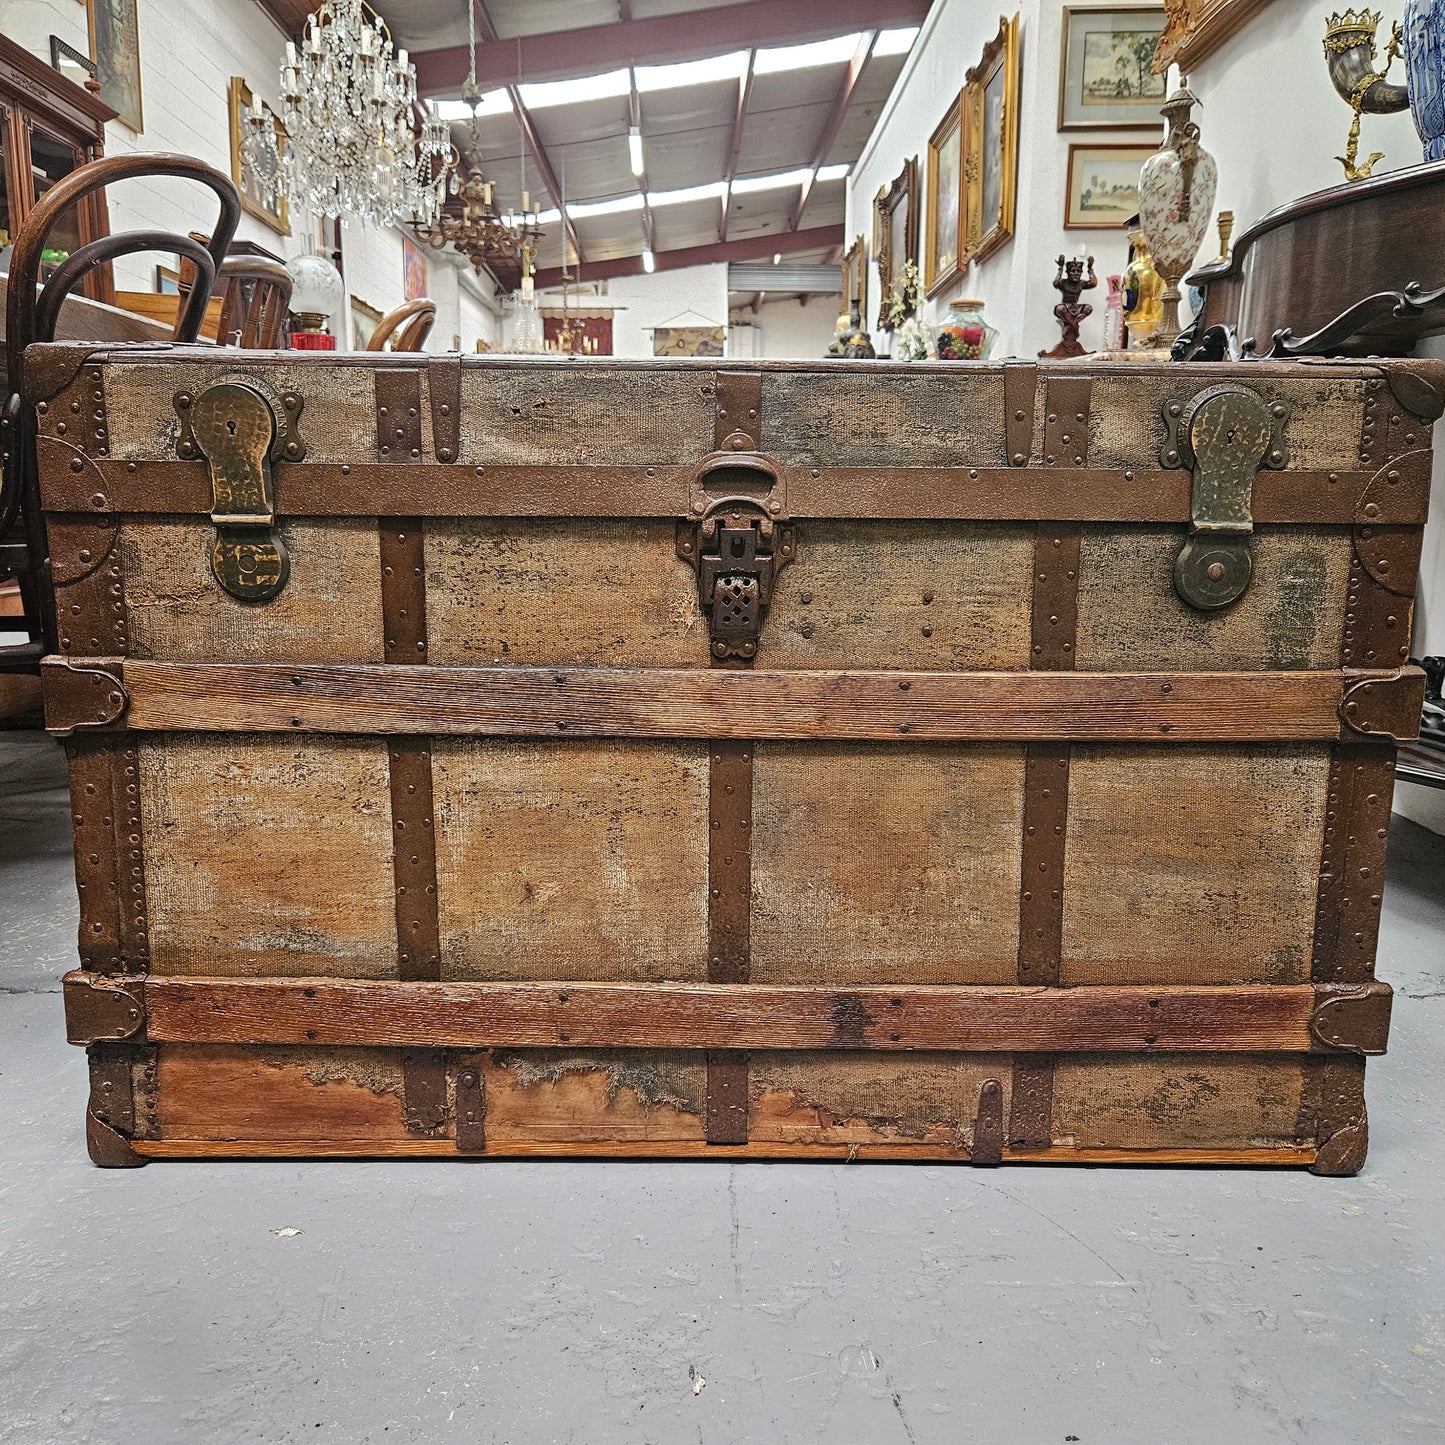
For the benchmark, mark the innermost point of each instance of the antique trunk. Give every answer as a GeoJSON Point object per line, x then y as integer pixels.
{"type": "Point", "coordinates": [498, 757]}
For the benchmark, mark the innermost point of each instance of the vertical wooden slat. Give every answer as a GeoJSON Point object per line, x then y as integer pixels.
{"type": "Point", "coordinates": [737, 415]}
{"type": "Point", "coordinates": [1054, 630]}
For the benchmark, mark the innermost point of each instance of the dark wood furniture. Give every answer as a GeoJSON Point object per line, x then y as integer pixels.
{"type": "Point", "coordinates": [49, 128]}
{"type": "Point", "coordinates": [1354, 270]}
{"type": "Point", "coordinates": [33, 312]}
{"type": "Point", "coordinates": [406, 326]}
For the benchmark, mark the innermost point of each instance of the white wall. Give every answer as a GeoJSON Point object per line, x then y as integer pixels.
{"type": "Point", "coordinates": [786, 329]}
{"type": "Point", "coordinates": [1016, 282]}
{"type": "Point", "coordinates": [189, 50]}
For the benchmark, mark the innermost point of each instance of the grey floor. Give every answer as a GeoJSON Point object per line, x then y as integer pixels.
{"type": "Point", "coordinates": [598, 1303]}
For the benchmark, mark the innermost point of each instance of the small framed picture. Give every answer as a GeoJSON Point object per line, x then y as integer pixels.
{"type": "Point", "coordinates": [855, 273]}
{"type": "Point", "coordinates": [413, 270]}
{"type": "Point", "coordinates": [1106, 75]}
{"type": "Point", "coordinates": [1103, 186]}
{"type": "Point", "coordinates": [364, 321]}
{"type": "Point", "coordinates": [943, 261]}
{"type": "Point", "coordinates": [168, 281]}
{"type": "Point", "coordinates": [895, 234]}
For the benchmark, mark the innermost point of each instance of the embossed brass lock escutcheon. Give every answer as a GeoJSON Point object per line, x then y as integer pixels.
{"type": "Point", "coordinates": [236, 429]}
{"type": "Point", "coordinates": [1225, 434]}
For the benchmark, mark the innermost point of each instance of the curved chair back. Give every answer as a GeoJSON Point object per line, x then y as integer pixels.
{"type": "Point", "coordinates": [255, 296]}
{"type": "Point", "coordinates": [407, 327]}
{"type": "Point", "coordinates": [31, 315]}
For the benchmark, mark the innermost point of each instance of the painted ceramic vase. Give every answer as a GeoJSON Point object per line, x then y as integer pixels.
{"type": "Point", "coordinates": [1176, 202]}
{"type": "Point", "coordinates": [1424, 28]}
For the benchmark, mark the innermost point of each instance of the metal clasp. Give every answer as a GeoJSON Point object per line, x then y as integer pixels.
{"type": "Point", "coordinates": [240, 432]}
{"type": "Point", "coordinates": [737, 542]}
{"type": "Point", "coordinates": [1225, 434]}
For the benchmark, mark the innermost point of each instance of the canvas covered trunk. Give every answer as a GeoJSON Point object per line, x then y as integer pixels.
{"type": "Point", "coordinates": [511, 757]}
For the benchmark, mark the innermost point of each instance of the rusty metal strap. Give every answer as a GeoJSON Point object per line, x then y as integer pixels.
{"type": "Point", "coordinates": [1303, 496]}
{"type": "Point", "coordinates": [444, 386]}
{"type": "Point", "coordinates": [398, 417]}
{"type": "Point", "coordinates": [1020, 388]}
{"type": "Point", "coordinates": [738, 410]}
{"type": "Point", "coordinates": [1068, 400]}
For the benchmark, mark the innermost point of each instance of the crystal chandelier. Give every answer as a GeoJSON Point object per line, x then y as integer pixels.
{"type": "Point", "coordinates": [350, 145]}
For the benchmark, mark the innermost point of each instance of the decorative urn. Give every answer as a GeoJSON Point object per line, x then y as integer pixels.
{"type": "Point", "coordinates": [1176, 201]}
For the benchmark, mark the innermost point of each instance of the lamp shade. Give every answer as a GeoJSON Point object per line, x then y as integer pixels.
{"type": "Point", "coordinates": [316, 287]}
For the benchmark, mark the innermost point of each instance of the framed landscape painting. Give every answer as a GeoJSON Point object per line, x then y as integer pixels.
{"type": "Point", "coordinates": [1106, 75]}
{"type": "Point", "coordinates": [1103, 186]}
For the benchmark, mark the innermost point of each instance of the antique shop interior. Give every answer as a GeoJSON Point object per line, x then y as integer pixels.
{"type": "Point", "coordinates": [1072, 208]}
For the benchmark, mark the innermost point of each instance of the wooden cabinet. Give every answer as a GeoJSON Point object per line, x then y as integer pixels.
{"type": "Point", "coordinates": [49, 127]}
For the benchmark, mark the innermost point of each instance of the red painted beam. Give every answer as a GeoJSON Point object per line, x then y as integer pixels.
{"type": "Point", "coordinates": [657, 39]}
{"type": "Point", "coordinates": [751, 248]}
{"type": "Point", "coordinates": [829, 133]}
{"type": "Point", "coordinates": [745, 90]}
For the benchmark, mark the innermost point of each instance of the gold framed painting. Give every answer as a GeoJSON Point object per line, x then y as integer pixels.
{"type": "Point", "coordinates": [991, 143]}
{"type": "Point", "coordinates": [252, 200]}
{"type": "Point", "coordinates": [895, 234]}
{"type": "Point", "coordinates": [1195, 29]}
{"type": "Point", "coordinates": [855, 274]}
{"type": "Point", "coordinates": [115, 47]}
{"type": "Point", "coordinates": [1103, 185]}
{"type": "Point", "coordinates": [943, 258]}
{"type": "Point", "coordinates": [1107, 79]}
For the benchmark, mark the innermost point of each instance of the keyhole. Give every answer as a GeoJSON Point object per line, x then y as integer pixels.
{"type": "Point", "coordinates": [737, 547]}
{"type": "Point", "coordinates": [231, 427]}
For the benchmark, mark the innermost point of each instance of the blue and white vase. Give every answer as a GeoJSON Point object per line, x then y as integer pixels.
{"type": "Point", "coordinates": [1425, 70]}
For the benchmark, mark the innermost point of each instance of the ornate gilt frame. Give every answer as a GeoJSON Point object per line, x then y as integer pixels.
{"type": "Point", "coordinates": [855, 274]}
{"type": "Point", "coordinates": [936, 281]}
{"type": "Point", "coordinates": [240, 101]}
{"type": "Point", "coordinates": [986, 234]}
{"type": "Point", "coordinates": [1195, 29]}
{"type": "Point", "coordinates": [904, 190]}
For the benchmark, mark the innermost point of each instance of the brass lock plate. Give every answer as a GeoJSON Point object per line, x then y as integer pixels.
{"type": "Point", "coordinates": [236, 429]}
{"type": "Point", "coordinates": [1225, 435]}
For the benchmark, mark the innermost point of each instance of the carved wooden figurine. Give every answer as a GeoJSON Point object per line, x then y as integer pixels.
{"type": "Point", "coordinates": [1071, 313]}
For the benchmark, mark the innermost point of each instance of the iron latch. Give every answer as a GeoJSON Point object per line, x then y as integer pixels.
{"type": "Point", "coordinates": [240, 432]}
{"type": "Point", "coordinates": [1225, 435]}
{"type": "Point", "coordinates": [737, 542]}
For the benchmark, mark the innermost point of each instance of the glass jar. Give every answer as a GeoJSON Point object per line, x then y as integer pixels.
{"type": "Point", "coordinates": [965, 335]}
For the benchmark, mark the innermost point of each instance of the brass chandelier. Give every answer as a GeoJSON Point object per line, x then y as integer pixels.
{"type": "Point", "coordinates": [469, 220]}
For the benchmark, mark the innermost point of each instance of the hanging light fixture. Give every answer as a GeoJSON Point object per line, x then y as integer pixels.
{"type": "Point", "coordinates": [350, 143]}
{"type": "Point", "coordinates": [469, 221]}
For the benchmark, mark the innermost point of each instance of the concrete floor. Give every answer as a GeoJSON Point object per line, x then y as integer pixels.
{"type": "Point", "coordinates": [530, 1303]}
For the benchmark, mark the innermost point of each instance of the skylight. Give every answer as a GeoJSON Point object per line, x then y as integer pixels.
{"type": "Point", "coordinates": [609, 207]}
{"type": "Point", "coordinates": [494, 102]}
{"type": "Point", "coordinates": [896, 42]}
{"type": "Point", "coordinates": [540, 94]}
{"type": "Point", "coordinates": [710, 191]}
{"type": "Point", "coordinates": [779, 182]}
{"type": "Point", "coordinates": [801, 57]}
{"type": "Point", "coordinates": [708, 71]}
{"type": "Point", "coordinates": [834, 173]}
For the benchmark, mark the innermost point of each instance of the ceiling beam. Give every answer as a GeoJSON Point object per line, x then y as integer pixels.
{"type": "Point", "coordinates": [829, 133]}
{"type": "Point", "coordinates": [757, 302]}
{"type": "Point", "coordinates": [751, 248]}
{"type": "Point", "coordinates": [735, 146]}
{"type": "Point", "coordinates": [656, 40]}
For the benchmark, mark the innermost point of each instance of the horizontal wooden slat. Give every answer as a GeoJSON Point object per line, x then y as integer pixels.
{"type": "Point", "coordinates": [183, 1148]}
{"type": "Point", "coordinates": [718, 703]}
{"type": "Point", "coordinates": [1001, 494]}
{"type": "Point", "coordinates": [1244, 1018]}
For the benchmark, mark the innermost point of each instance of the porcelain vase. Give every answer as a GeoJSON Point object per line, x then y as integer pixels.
{"type": "Point", "coordinates": [1424, 29]}
{"type": "Point", "coordinates": [1176, 203]}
